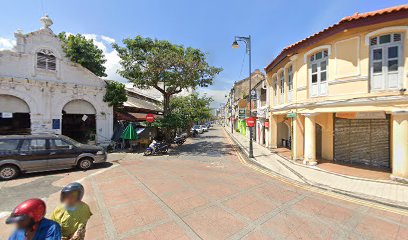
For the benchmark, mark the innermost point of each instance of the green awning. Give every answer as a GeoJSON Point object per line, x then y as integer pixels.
{"type": "Point", "coordinates": [129, 133]}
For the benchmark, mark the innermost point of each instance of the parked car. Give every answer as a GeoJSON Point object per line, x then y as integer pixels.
{"type": "Point", "coordinates": [205, 128]}
{"type": "Point", "coordinates": [197, 128]}
{"type": "Point", "coordinates": [45, 152]}
{"type": "Point", "coordinates": [208, 125]}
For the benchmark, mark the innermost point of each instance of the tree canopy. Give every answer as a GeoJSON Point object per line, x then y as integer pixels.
{"type": "Point", "coordinates": [167, 67]}
{"type": "Point", "coordinates": [187, 110]}
{"type": "Point", "coordinates": [115, 94]}
{"type": "Point", "coordinates": [83, 51]}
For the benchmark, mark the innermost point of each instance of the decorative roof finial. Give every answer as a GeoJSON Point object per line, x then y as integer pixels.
{"type": "Point", "coordinates": [46, 22]}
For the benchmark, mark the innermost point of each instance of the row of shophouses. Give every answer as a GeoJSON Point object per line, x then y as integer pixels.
{"type": "Point", "coordinates": [339, 95]}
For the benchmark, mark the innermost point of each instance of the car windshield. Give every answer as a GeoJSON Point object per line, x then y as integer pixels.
{"type": "Point", "coordinates": [72, 141]}
{"type": "Point", "coordinates": [196, 127]}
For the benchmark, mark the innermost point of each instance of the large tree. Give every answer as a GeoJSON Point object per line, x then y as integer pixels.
{"type": "Point", "coordinates": [115, 94]}
{"type": "Point", "coordinates": [185, 111]}
{"type": "Point", "coordinates": [83, 51]}
{"type": "Point", "coordinates": [167, 67]}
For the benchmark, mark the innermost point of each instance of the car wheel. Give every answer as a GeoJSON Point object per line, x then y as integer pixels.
{"type": "Point", "coordinates": [85, 163]}
{"type": "Point", "coordinates": [8, 172]}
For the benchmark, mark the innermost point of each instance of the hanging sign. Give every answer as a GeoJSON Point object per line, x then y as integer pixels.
{"type": "Point", "coordinates": [242, 113]}
{"type": "Point", "coordinates": [291, 115]}
{"type": "Point", "coordinates": [361, 115]}
{"type": "Point", "coordinates": [7, 115]}
{"type": "Point", "coordinates": [250, 122]}
{"type": "Point", "coordinates": [150, 118]}
{"type": "Point", "coordinates": [266, 124]}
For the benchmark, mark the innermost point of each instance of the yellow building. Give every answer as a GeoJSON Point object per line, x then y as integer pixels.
{"type": "Point", "coordinates": [340, 94]}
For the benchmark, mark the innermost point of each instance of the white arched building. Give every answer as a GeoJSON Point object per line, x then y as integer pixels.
{"type": "Point", "coordinates": [43, 91]}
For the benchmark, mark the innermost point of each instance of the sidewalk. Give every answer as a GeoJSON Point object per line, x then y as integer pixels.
{"type": "Point", "coordinates": [382, 191]}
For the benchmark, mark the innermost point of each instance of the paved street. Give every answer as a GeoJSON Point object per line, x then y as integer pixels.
{"type": "Point", "coordinates": [202, 190]}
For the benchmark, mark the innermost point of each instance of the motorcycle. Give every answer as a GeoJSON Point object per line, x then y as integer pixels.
{"type": "Point", "coordinates": [194, 133]}
{"type": "Point", "coordinates": [156, 147]}
{"type": "Point", "coordinates": [179, 140]}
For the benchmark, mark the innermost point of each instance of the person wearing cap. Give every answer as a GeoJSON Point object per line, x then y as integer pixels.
{"type": "Point", "coordinates": [72, 214]}
{"type": "Point", "coordinates": [31, 224]}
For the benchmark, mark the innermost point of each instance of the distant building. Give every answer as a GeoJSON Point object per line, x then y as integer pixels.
{"type": "Point", "coordinates": [43, 91]}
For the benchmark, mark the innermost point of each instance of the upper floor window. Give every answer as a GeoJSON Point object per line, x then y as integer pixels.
{"type": "Point", "coordinates": [275, 89]}
{"type": "Point", "coordinates": [46, 60]}
{"type": "Point", "coordinates": [386, 61]}
{"type": "Point", "coordinates": [282, 86]}
{"type": "Point", "coordinates": [290, 83]}
{"type": "Point", "coordinates": [318, 73]}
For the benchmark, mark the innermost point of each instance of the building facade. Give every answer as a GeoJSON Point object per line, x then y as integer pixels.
{"type": "Point", "coordinates": [43, 91]}
{"type": "Point", "coordinates": [261, 111]}
{"type": "Point", "coordinates": [340, 94]}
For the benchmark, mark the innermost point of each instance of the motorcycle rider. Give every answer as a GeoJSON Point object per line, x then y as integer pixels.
{"type": "Point", "coordinates": [73, 214]}
{"type": "Point", "coordinates": [31, 224]}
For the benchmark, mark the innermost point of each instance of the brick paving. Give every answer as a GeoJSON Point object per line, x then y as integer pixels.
{"type": "Point", "coordinates": [202, 191]}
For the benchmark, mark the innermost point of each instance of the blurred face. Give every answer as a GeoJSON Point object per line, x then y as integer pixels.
{"type": "Point", "coordinates": [24, 223]}
{"type": "Point", "coordinates": [70, 199]}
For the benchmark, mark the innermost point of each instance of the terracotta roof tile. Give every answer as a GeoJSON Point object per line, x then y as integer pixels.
{"type": "Point", "coordinates": [356, 16]}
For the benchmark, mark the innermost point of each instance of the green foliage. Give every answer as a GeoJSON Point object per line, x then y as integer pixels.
{"type": "Point", "coordinates": [115, 94]}
{"type": "Point", "coordinates": [83, 51]}
{"type": "Point", "coordinates": [185, 111]}
{"type": "Point", "coordinates": [167, 67]}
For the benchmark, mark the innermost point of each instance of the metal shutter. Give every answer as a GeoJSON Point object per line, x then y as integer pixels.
{"type": "Point", "coordinates": [362, 141]}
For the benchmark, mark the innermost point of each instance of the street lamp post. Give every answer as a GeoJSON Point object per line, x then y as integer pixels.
{"type": "Point", "coordinates": [247, 41]}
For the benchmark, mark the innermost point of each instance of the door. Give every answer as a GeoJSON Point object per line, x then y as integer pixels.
{"type": "Point", "coordinates": [34, 154]}
{"type": "Point", "coordinates": [362, 142]}
{"type": "Point", "coordinates": [61, 155]}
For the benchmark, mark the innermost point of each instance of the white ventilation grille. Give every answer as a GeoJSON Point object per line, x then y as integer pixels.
{"type": "Point", "coordinates": [46, 61]}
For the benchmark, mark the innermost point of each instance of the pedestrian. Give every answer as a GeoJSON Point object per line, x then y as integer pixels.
{"type": "Point", "coordinates": [72, 214]}
{"type": "Point", "coordinates": [31, 224]}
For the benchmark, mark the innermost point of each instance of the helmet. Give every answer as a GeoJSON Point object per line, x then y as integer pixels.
{"type": "Point", "coordinates": [32, 208]}
{"type": "Point", "coordinates": [73, 187]}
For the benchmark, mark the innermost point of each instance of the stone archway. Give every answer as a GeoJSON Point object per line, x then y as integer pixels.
{"type": "Point", "coordinates": [79, 121]}
{"type": "Point", "coordinates": [15, 115]}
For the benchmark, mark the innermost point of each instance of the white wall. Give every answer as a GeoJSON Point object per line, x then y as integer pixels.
{"type": "Point", "coordinates": [47, 92]}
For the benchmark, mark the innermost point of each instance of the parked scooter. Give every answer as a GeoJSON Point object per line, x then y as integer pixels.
{"type": "Point", "coordinates": [156, 147]}
{"type": "Point", "coordinates": [194, 133]}
{"type": "Point", "coordinates": [179, 140]}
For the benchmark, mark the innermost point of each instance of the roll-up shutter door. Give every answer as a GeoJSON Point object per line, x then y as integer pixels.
{"type": "Point", "coordinates": [362, 141]}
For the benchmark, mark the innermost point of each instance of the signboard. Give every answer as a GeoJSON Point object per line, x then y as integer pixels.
{"type": "Point", "coordinates": [250, 122]}
{"type": "Point", "coordinates": [242, 103]}
{"type": "Point", "coordinates": [266, 124]}
{"type": "Point", "coordinates": [242, 113]}
{"type": "Point", "coordinates": [291, 115]}
{"type": "Point", "coordinates": [7, 115]}
{"type": "Point", "coordinates": [56, 123]}
{"type": "Point", "coordinates": [150, 118]}
{"type": "Point", "coordinates": [361, 115]}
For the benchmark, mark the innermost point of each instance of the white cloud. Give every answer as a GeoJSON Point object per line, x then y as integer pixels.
{"type": "Point", "coordinates": [217, 95]}
{"type": "Point", "coordinates": [112, 59]}
{"type": "Point", "coordinates": [6, 44]}
{"type": "Point", "coordinates": [108, 39]}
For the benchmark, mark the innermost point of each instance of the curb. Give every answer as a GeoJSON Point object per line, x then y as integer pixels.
{"type": "Point", "coordinates": [319, 186]}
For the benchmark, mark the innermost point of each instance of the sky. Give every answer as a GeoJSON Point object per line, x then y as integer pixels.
{"type": "Point", "coordinates": [208, 25]}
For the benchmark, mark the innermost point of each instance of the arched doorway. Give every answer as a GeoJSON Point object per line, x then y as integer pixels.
{"type": "Point", "coordinates": [318, 142]}
{"type": "Point", "coordinates": [283, 134]}
{"type": "Point", "coordinates": [14, 115]}
{"type": "Point", "coordinates": [79, 121]}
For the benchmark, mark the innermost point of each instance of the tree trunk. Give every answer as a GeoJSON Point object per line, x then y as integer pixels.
{"type": "Point", "coordinates": [166, 111]}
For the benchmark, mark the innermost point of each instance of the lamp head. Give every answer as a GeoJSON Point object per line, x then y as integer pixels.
{"type": "Point", "coordinates": [235, 44]}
